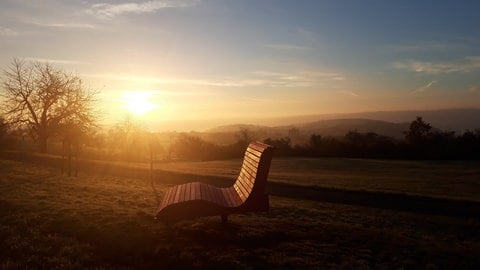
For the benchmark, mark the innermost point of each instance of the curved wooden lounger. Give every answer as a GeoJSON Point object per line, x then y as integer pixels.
{"type": "Point", "coordinates": [248, 193]}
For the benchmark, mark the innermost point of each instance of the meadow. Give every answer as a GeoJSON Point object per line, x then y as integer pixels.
{"type": "Point", "coordinates": [102, 221]}
{"type": "Point", "coordinates": [445, 179]}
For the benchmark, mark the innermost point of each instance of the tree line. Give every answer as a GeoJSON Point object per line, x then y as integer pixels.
{"type": "Point", "coordinates": [421, 141]}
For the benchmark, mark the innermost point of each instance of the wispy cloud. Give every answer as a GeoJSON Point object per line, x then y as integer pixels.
{"type": "Point", "coordinates": [4, 31]}
{"type": "Point", "coordinates": [466, 65]}
{"type": "Point", "coordinates": [164, 80]}
{"type": "Point", "coordinates": [257, 78]}
{"type": "Point", "coordinates": [56, 61]}
{"type": "Point", "coordinates": [108, 11]}
{"type": "Point", "coordinates": [424, 87]}
{"type": "Point", "coordinates": [65, 25]}
{"type": "Point", "coordinates": [287, 47]}
{"type": "Point", "coordinates": [351, 94]}
{"type": "Point", "coordinates": [298, 78]}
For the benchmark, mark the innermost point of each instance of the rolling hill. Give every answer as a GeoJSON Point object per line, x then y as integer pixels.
{"type": "Point", "coordinates": [388, 123]}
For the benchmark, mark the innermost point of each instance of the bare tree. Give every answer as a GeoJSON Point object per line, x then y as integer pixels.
{"type": "Point", "coordinates": [46, 100]}
{"type": "Point", "coordinates": [244, 136]}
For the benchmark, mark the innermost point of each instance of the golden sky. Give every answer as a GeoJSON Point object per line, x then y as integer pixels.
{"type": "Point", "coordinates": [214, 61]}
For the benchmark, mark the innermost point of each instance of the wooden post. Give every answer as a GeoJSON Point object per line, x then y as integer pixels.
{"type": "Point", "coordinates": [69, 158]}
{"type": "Point", "coordinates": [151, 160]}
{"type": "Point", "coordinates": [77, 149]}
{"type": "Point", "coordinates": [63, 156]}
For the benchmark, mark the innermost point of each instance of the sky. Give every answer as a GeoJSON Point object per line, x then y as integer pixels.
{"type": "Point", "coordinates": [189, 64]}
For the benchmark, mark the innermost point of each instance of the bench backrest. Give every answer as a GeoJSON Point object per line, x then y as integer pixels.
{"type": "Point", "coordinates": [252, 180]}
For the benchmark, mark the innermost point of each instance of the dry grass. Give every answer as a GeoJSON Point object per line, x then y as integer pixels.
{"type": "Point", "coordinates": [98, 221]}
{"type": "Point", "coordinates": [450, 179]}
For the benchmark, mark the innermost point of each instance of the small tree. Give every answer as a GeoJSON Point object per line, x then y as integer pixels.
{"type": "Point", "coordinates": [42, 99]}
{"type": "Point", "coordinates": [418, 132]}
{"type": "Point", "coordinates": [129, 140]}
{"type": "Point", "coordinates": [244, 137]}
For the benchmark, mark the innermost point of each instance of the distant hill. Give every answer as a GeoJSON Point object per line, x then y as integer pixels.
{"type": "Point", "coordinates": [302, 132]}
{"type": "Point", "coordinates": [393, 124]}
{"type": "Point", "coordinates": [236, 128]}
{"type": "Point", "coordinates": [331, 127]}
{"type": "Point", "coordinates": [457, 120]}
{"type": "Point", "coordinates": [339, 127]}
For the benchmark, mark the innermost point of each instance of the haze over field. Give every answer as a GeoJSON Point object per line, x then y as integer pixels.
{"type": "Point", "coordinates": [194, 64]}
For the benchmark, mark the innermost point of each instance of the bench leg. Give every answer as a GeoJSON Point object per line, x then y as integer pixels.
{"type": "Point", "coordinates": [224, 219]}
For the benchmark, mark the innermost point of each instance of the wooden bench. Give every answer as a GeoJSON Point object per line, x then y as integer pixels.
{"type": "Point", "coordinates": [248, 193]}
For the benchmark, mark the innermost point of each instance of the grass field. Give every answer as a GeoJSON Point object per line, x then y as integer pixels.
{"type": "Point", "coordinates": [100, 221]}
{"type": "Point", "coordinates": [451, 179]}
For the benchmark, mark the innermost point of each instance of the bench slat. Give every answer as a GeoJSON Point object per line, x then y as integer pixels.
{"type": "Point", "coordinates": [246, 180]}
{"type": "Point", "coordinates": [219, 197]}
{"type": "Point", "coordinates": [182, 193]}
{"type": "Point", "coordinates": [192, 191]}
{"type": "Point", "coordinates": [174, 192]}
{"type": "Point", "coordinates": [178, 193]}
{"type": "Point", "coordinates": [228, 194]}
{"type": "Point", "coordinates": [254, 152]}
{"type": "Point", "coordinates": [241, 190]}
{"type": "Point", "coordinates": [233, 197]}
{"type": "Point", "coordinates": [251, 167]}
{"type": "Point", "coordinates": [188, 194]}
{"type": "Point", "coordinates": [257, 147]}
{"type": "Point", "coordinates": [228, 202]}
{"type": "Point", "coordinates": [203, 192]}
{"type": "Point", "coordinates": [198, 194]}
{"type": "Point", "coordinates": [252, 157]}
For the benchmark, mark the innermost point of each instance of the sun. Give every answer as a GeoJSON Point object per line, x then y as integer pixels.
{"type": "Point", "coordinates": [138, 102]}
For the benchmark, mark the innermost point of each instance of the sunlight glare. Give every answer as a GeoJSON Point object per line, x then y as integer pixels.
{"type": "Point", "coordinates": [138, 102]}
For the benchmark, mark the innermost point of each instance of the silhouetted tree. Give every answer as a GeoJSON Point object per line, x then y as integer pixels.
{"type": "Point", "coordinates": [282, 146]}
{"type": "Point", "coordinates": [368, 145]}
{"type": "Point", "coordinates": [244, 136]}
{"type": "Point", "coordinates": [193, 147]}
{"type": "Point", "coordinates": [40, 98]}
{"type": "Point", "coordinates": [469, 144]}
{"type": "Point", "coordinates": [129, 139]}
{"type": "Point", "coordinates": [418, 132]}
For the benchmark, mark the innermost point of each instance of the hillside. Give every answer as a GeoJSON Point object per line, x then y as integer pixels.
{"type": "Point", "coordinates": [388, 123]}
{"type": "Point", "coordinates": [301, 132]}
{"type": "Point", "coordinates": [457, 120]}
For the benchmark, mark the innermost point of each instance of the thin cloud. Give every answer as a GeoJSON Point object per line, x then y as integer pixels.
{"type": "Point", "coordinates": [352, 94]}
{"type": "Point", "coordinates": [65, 25]}
{"type": "Point", "coordinates": [259, 78]}
{"type": "Point", "coordinates": [108, 11]}
{"type": "Point", "coordinates": [159, 80]}
{"type": "Point", "coordinates": [301, 75]}
{"type": "Point", "coordinates": [468, 64]}
{"type": "Point", "coordinates": [4, 31]}
{"type": "Point", "coordinates": [260, 100]}
{"type": "Point", "coordinates": [55, 61]}
{"type": "Point", "coordinates": [424, 87]}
